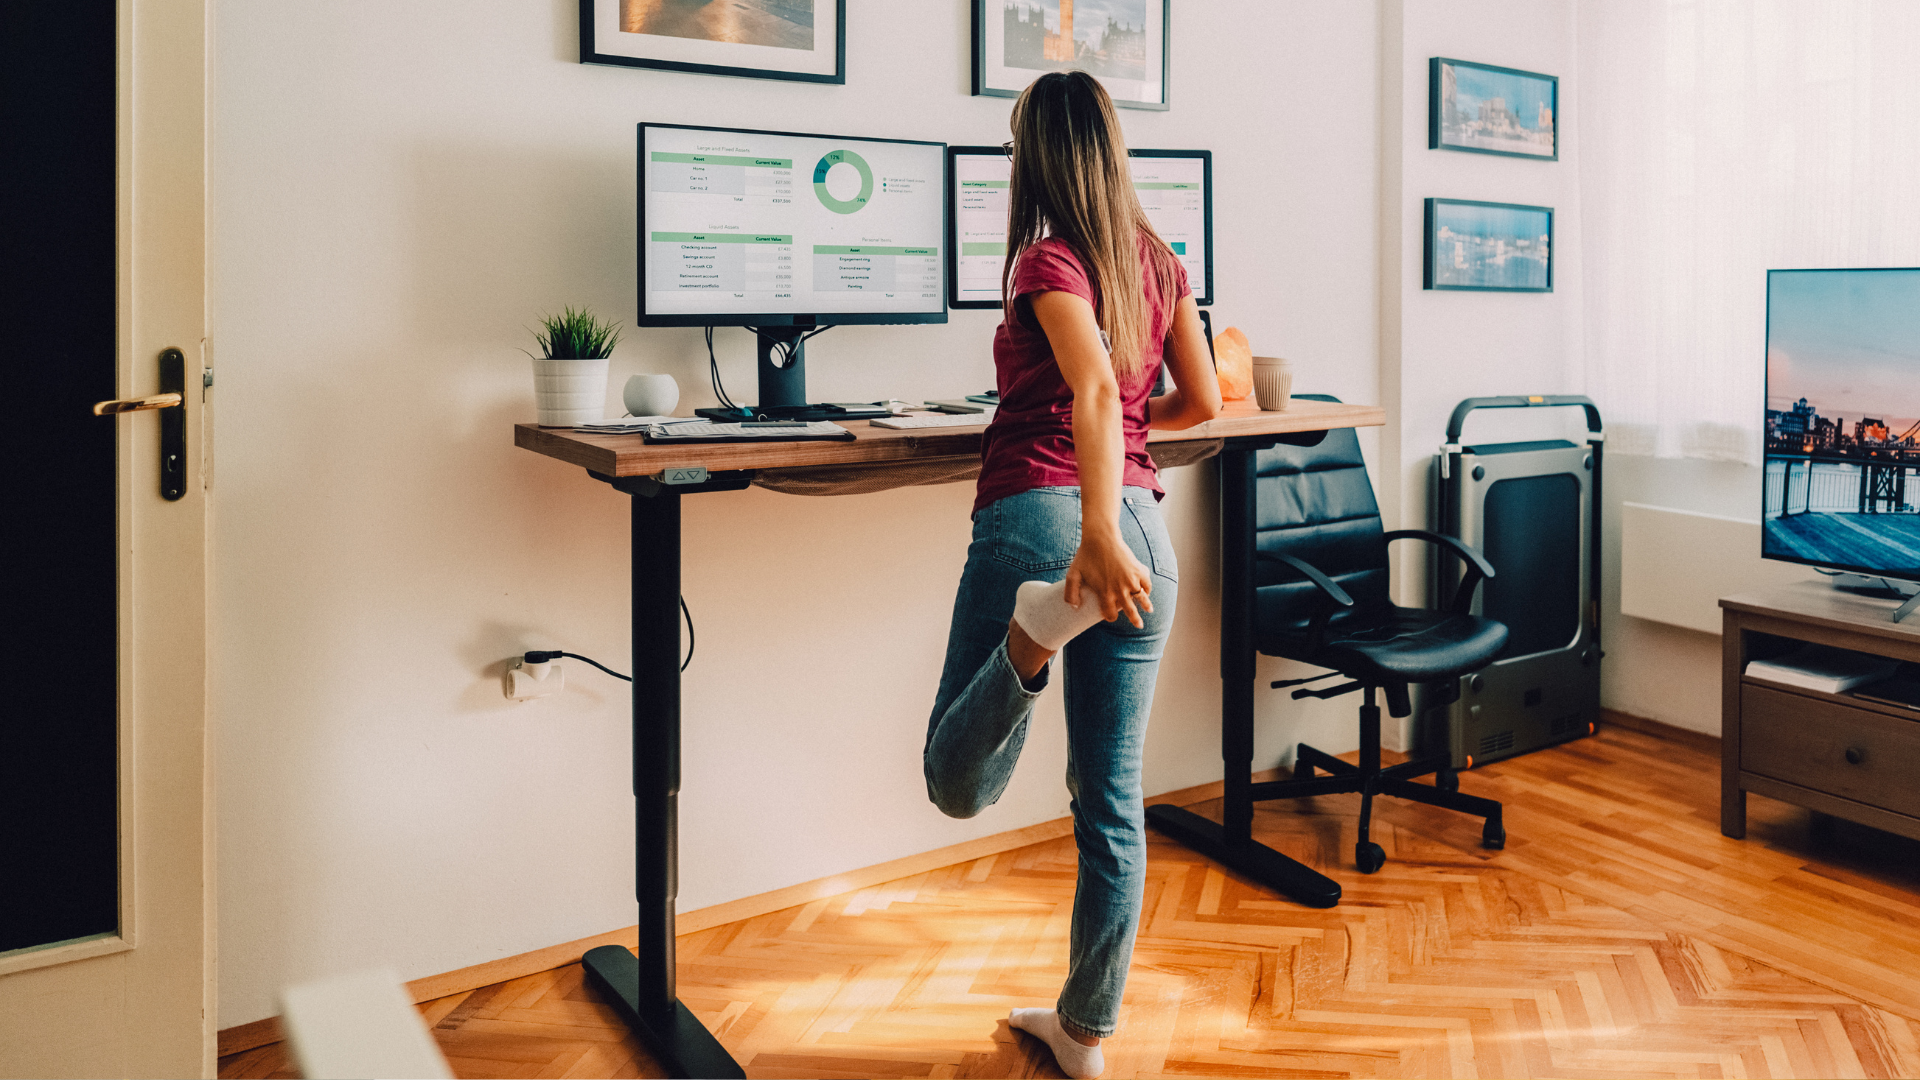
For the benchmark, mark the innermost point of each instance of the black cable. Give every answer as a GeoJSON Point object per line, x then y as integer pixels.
{"type": "Point", "coordinates": [713, 374]}
{"type": "Point", "coordinates": [598, 664]}
{"type": "Point", "coordinates": [689, 615]}
{"type": "Point", "coordinates": [538, 656]}
{"type": "Point", "coordinates": [788, 351]}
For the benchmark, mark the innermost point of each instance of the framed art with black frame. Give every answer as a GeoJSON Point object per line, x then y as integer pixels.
{"type": "Point", "coordinates": [1481, 109]}
{"type": "Point", "coordinates": [803, 40]}
{"type": "Point", "coordinates": [1123, 43]}
{"type": "Point", "coordinates": [1488, 247]}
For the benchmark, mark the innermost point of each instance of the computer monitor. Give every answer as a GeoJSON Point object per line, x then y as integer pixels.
{"type": "Point", "coordinates": [1175, 189]}
{"type": "Point", "coordinates": [786, 233]}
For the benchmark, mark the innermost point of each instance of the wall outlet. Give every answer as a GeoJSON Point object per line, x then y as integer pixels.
{"type": "Point", "coordinates": [528, 681]}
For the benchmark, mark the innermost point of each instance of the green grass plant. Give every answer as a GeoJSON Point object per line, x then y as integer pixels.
{"type": "Point", "coordinates": [576, 335]}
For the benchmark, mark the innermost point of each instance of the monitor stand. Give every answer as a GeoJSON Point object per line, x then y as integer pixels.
{"type": "Point", "coordinates": [783, 389]}
{"type": "Point", "coordinates": [1880, 585]}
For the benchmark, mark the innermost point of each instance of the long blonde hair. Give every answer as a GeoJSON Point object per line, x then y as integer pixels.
{"type": "Point", "coordinates": [1071, 182]}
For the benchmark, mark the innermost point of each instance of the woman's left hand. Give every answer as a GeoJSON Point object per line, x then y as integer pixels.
{"type": "Point", "coordinates": [1105, 572]}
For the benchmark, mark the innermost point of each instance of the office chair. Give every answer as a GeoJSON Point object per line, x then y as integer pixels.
{"type": "Point", "coordinates": [1304, 575]}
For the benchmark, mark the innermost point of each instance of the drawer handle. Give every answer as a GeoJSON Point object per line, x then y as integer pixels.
{"type": "Point", "coordinates": [1855, 755]}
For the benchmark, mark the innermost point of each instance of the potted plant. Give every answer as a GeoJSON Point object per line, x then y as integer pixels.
{"type": "Point", "coordinates": [570, 375]}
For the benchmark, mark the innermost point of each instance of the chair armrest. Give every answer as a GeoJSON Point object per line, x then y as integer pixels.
{"type": "Point", "coordinates": [1465, 551]}
{"type": "Point", "coordinates": [1479, 569]}
{"type": "Point", "coordinates": [1312, 573]}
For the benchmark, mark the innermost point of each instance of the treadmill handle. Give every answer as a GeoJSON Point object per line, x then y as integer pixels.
{"type": "Point", "coordinates": [1532, 401]}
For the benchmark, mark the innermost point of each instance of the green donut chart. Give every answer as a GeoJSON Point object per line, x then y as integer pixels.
{"type": "Point", "coordinates": [842, 206]}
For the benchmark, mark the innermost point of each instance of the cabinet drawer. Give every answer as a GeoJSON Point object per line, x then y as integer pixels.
{"type": "Point", "coordinates": [1805, 741]}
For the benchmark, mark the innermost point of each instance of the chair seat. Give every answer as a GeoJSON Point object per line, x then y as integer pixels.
{"type": "Point", "coordinates": [1396, 644]}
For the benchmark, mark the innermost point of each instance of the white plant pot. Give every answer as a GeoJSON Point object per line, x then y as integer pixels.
{"type": "Point", "coordinates": [569, 392]}
{"type": "Point", "coordinates": [651, 395]}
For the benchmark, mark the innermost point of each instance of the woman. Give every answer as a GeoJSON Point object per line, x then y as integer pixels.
{"type": "Point", "coordinates": [1069, 550]}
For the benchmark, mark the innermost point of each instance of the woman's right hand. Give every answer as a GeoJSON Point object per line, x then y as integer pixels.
{"type": "Point", "coordinates": [1104, 572]}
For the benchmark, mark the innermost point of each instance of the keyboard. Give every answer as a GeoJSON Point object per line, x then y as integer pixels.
{"type": "Point", "coordinates": [927, 420]}
{"type": "Point", "coordinates": [709, 431]}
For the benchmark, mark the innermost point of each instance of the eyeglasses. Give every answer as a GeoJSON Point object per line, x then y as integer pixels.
{"type": "Point", "coordinates": [1007, 149]}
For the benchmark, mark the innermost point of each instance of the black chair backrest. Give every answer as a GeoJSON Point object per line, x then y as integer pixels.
{"type": "Point", "coordinates": [1316, 504]}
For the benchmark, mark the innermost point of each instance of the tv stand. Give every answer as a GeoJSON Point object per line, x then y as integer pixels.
{"type": "Point", "coordinates": [783, 387]}
{"type": "Point", "coordinates": [1833, 753]}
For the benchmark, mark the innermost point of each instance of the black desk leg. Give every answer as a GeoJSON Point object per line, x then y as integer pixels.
{"type": "Point", "coordinates": [1231, 842]}
{"type": "Point", "coordinates": [642, 988]}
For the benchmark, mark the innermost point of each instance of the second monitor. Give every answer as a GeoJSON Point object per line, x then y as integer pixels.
{"type": "Point", "coordinates": [786, 233]}
{"type": "Point", "coordinates": [1175, 189]}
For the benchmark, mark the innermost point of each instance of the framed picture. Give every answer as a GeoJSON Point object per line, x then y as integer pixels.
{"type": "Point", "coordinates": [1492, 110]}
{"type": "Point", "coordinates": [804, 40]}
{"type": "Point", "coordinates": [1123, 43]}
{"type": "Point", "coordinates": [1489, 247]}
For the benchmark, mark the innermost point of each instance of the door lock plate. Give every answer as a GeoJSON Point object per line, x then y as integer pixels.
{"type": "Point", "coordinates": [173, 426]}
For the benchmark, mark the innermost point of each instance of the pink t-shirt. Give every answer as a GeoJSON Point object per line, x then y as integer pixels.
{"type": "Point", "coordinates": [1029, 444]}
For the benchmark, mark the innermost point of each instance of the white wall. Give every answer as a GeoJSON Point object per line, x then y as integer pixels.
{"type": "Point", "coordinates": [1440, 347]}
{"type": "Point", "coordinates": [398, 191]}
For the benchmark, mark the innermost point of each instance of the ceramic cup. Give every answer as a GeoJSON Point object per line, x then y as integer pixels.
{"type": "Point", "coordinates": [1272, 382]}
{"type": "Point", "coordinates": [569, 392]}
{"type": "Point", "coordinates": [651, 395]}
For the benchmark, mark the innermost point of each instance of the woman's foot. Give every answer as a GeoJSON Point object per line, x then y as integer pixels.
{"type": "Point", "coordinates": [1075, 1054]}
{"type": "Point", "coordinates": [1042, 611]}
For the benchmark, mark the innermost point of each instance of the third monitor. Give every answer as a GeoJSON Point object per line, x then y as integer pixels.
{"type": "Point", "coordinates": [1175, 189]}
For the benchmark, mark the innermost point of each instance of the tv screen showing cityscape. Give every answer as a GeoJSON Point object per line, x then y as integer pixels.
{"type": "Point", "coordinates": [1843, 420]}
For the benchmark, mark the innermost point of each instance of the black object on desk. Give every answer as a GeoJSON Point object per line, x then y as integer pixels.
{"type": "Point", "coordinates": [1332, 612]}
{"type": "Point", "coordinates": [781, 362]}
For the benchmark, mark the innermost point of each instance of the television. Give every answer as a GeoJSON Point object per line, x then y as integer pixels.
{"type": "Point", "coordinates": [788, 233]}
{"type": "Point", "coordinates": [1842, 430]}
{"type": "Point", "coordinates": [1175, 189]}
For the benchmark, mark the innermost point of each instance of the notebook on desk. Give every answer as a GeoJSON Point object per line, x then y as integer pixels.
{"type": "Point", "coordinates": [696, 431]}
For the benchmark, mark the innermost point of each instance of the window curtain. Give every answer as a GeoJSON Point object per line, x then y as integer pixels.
{"type": "Point", "coordinates": [1719, 139]}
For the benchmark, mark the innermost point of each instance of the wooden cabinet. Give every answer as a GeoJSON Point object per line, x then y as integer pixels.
{"type": "Point", "coordinates": [1837, 754]}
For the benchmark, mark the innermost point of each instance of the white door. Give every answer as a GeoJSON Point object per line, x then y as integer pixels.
{"type": "Point", "coordinates": [137, 998]}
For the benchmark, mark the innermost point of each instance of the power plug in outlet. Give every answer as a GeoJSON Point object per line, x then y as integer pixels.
{"type": "Point", "coordinates": [528, 681]}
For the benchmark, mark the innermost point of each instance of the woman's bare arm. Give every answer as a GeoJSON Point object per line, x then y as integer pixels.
{"type": "Point", "coordinates": [1195, 398]}
{"type": "Point", "coordinates": [1104, 569]}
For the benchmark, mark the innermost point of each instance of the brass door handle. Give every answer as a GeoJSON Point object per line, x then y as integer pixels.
{"type": "Point", "coordinates": [157, 401]}
{"type": "Point", "coordinates": [172, 401]}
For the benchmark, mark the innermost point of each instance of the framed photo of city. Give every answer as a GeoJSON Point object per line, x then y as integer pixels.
{"type": "Point", "coordinates": [1123, 43]}
{"type": "Point", "coordinates": [1842, 435]}
{"type": "Point", "coordinates": [804, 40]}
{"type": "Point", "coordinates": [1491, 110]}
{"type": "Point", "coordinates": [1488, 247]}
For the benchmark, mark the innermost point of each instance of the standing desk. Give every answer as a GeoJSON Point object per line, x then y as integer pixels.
{"type": "Point", "coordinates": [656, 477]}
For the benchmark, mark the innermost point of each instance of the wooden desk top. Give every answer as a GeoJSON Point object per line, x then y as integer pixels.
{"type": "Point", "coordinates": [629, 455]}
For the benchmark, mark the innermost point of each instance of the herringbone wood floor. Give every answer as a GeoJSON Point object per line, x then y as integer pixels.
{"type": "Point", "coordinates": [1619, 934]}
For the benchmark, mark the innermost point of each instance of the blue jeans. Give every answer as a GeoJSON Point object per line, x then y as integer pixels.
{"type": "Point", "coordinates": [980, 719]}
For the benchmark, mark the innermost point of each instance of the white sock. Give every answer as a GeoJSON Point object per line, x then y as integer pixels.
{"type": "Point", "coordinates": [1075, 1059]}
{"type": "Point", "coordinates": [1043, 612]}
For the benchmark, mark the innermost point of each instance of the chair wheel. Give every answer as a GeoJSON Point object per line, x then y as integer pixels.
{"type": "Point", "coordinates": [1447, 780]}
{"type": "Point", "coordinates": [1369, 857]}
{"type": "Point", "coordinates": [1493, 836]}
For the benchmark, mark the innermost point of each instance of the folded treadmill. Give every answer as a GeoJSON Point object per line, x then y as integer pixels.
{"type": "Point", "coordinates": [1533, 508]}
